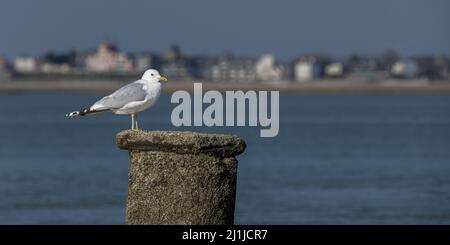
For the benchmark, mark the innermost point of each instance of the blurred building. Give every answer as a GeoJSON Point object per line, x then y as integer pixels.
{"type": "Point", "coordinates": [177, 70]}
{"type": "Point", "coordinates": [388, 59]}
{"type": "Point", "coordinates": [58, 62]}
{"type": "Point", "coordinates": [202, 66]}
{"type": "Point", "coordinates": [335, 69]}
{"type": "Point", "coordinates": [404, 69]}
{"type": "Point", "coordinates": [306, 69]}
{"type": "Point", "coordinates": [144, 61]}
{"type": "Point", "coordinates": [176, 65]}
{"type": "Point", "coordinates": [80, 60]}
{"type": "Point", "coordinates": [107, 58]}
{"type": "Point", "coordinates": [365, 69]}
{"type": "Point", "coordinates": [267, 70]}
{"type": "Point", "coordinates": [26, 64]}
{"type": "Point", "coordinates": [55, 68]}
{"type": "Point", "coordinates": [431, 67]}
{"type": "Point", "coordinates": [361, 64]}
{"type": "Point", "coordinates": [172, 54]}
{"type": "Point", "coordinates": [234, 69]}
{"type": "Point", "coordinates": [443, 64]}
{"type": "Point", "coordinates": [5, 69]}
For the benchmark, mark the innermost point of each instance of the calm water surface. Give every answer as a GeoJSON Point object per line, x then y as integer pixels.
{"type": "Point", "coordinates": [338, 159]}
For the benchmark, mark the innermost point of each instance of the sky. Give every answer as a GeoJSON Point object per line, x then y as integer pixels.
{"type": "Point", "coordinates": [252, 27]}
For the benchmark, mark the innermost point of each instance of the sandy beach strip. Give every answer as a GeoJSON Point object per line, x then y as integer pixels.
{"type": "Point", "coordinates": [287, 87]}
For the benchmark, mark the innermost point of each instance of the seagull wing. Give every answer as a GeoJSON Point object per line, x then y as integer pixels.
{"type": "Point", "coordinates": [126, 94]}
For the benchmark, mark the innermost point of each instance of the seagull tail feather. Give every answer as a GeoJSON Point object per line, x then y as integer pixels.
{"type": "Point", "coordinates": [84, 112]}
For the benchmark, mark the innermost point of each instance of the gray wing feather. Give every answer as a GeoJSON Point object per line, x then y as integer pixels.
{"type": "Point", "coordinates": [126, 94]}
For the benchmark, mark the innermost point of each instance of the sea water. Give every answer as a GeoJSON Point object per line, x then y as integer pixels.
{"type": "Point", "coordinates": [338, 159]}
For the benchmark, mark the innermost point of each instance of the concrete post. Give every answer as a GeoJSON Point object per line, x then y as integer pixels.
{"type": "Point", "coordinates": [180, 177]}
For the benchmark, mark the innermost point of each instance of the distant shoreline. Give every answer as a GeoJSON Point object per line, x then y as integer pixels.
{"type": "Point", "coordinates": [287, 87]}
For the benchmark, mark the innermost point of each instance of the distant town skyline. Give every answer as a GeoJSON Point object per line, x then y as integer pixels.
{"type": "Point", "coordinates": [283, 28]}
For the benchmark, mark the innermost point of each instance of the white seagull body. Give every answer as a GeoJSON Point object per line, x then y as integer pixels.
{"type": "Point", "coordinates": [129, 99]}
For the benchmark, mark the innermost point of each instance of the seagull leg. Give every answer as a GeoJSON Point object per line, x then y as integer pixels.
{"type": "Point", "coordinates": [132, 120]}
{"type": "Point", "coordinates": [135, 121]}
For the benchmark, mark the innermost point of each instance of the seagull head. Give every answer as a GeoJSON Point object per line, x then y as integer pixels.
{"type": "Point", "coordinates": [152, 75]}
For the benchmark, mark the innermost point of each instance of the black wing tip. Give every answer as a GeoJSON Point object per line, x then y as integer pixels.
{"type": "Point", "coordinates": [73, 114]}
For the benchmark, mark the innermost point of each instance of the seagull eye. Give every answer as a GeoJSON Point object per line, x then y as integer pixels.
{"type": "Point", "coordinates": [152, 74]}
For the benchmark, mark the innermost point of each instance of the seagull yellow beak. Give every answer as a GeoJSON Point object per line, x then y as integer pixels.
{"type": "Point", "coordinates": [163, 79]}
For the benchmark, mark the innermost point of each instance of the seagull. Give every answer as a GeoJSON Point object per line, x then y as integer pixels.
{"type": "Point", "coordinates": [129, 99]}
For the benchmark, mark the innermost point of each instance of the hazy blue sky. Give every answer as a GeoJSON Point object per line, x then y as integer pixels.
{"type": "Point", "coordinates": [285, 28]}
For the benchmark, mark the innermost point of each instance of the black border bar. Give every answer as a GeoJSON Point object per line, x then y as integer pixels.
{"type": "Point", "coordinates": [242, 234]}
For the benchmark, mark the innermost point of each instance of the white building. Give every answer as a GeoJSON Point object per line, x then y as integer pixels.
{"type": "Point", "coordinates": [266, 70]}
{"type": "Point", "coordinates": [307, 69]}
{"type": "Point", "coordinates": [25, 64]}
{"type": "Point", "coordinates": [404, 68]}
{"type": "Point", "coordinates": [55, 68]}
{"type": "Point", "coordinates": [335, 69]}
{"type": "Point", "coordinates": [108, 59]}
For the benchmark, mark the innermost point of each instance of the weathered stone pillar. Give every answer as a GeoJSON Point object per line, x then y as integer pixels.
{"type": "Point", "coordinates": [180, 177]}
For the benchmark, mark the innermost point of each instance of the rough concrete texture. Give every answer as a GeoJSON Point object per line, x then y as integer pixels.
{"type": "Point", "coordinates": [180, 177]}
{"type": "Point", "coordinates": [181, 142]}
